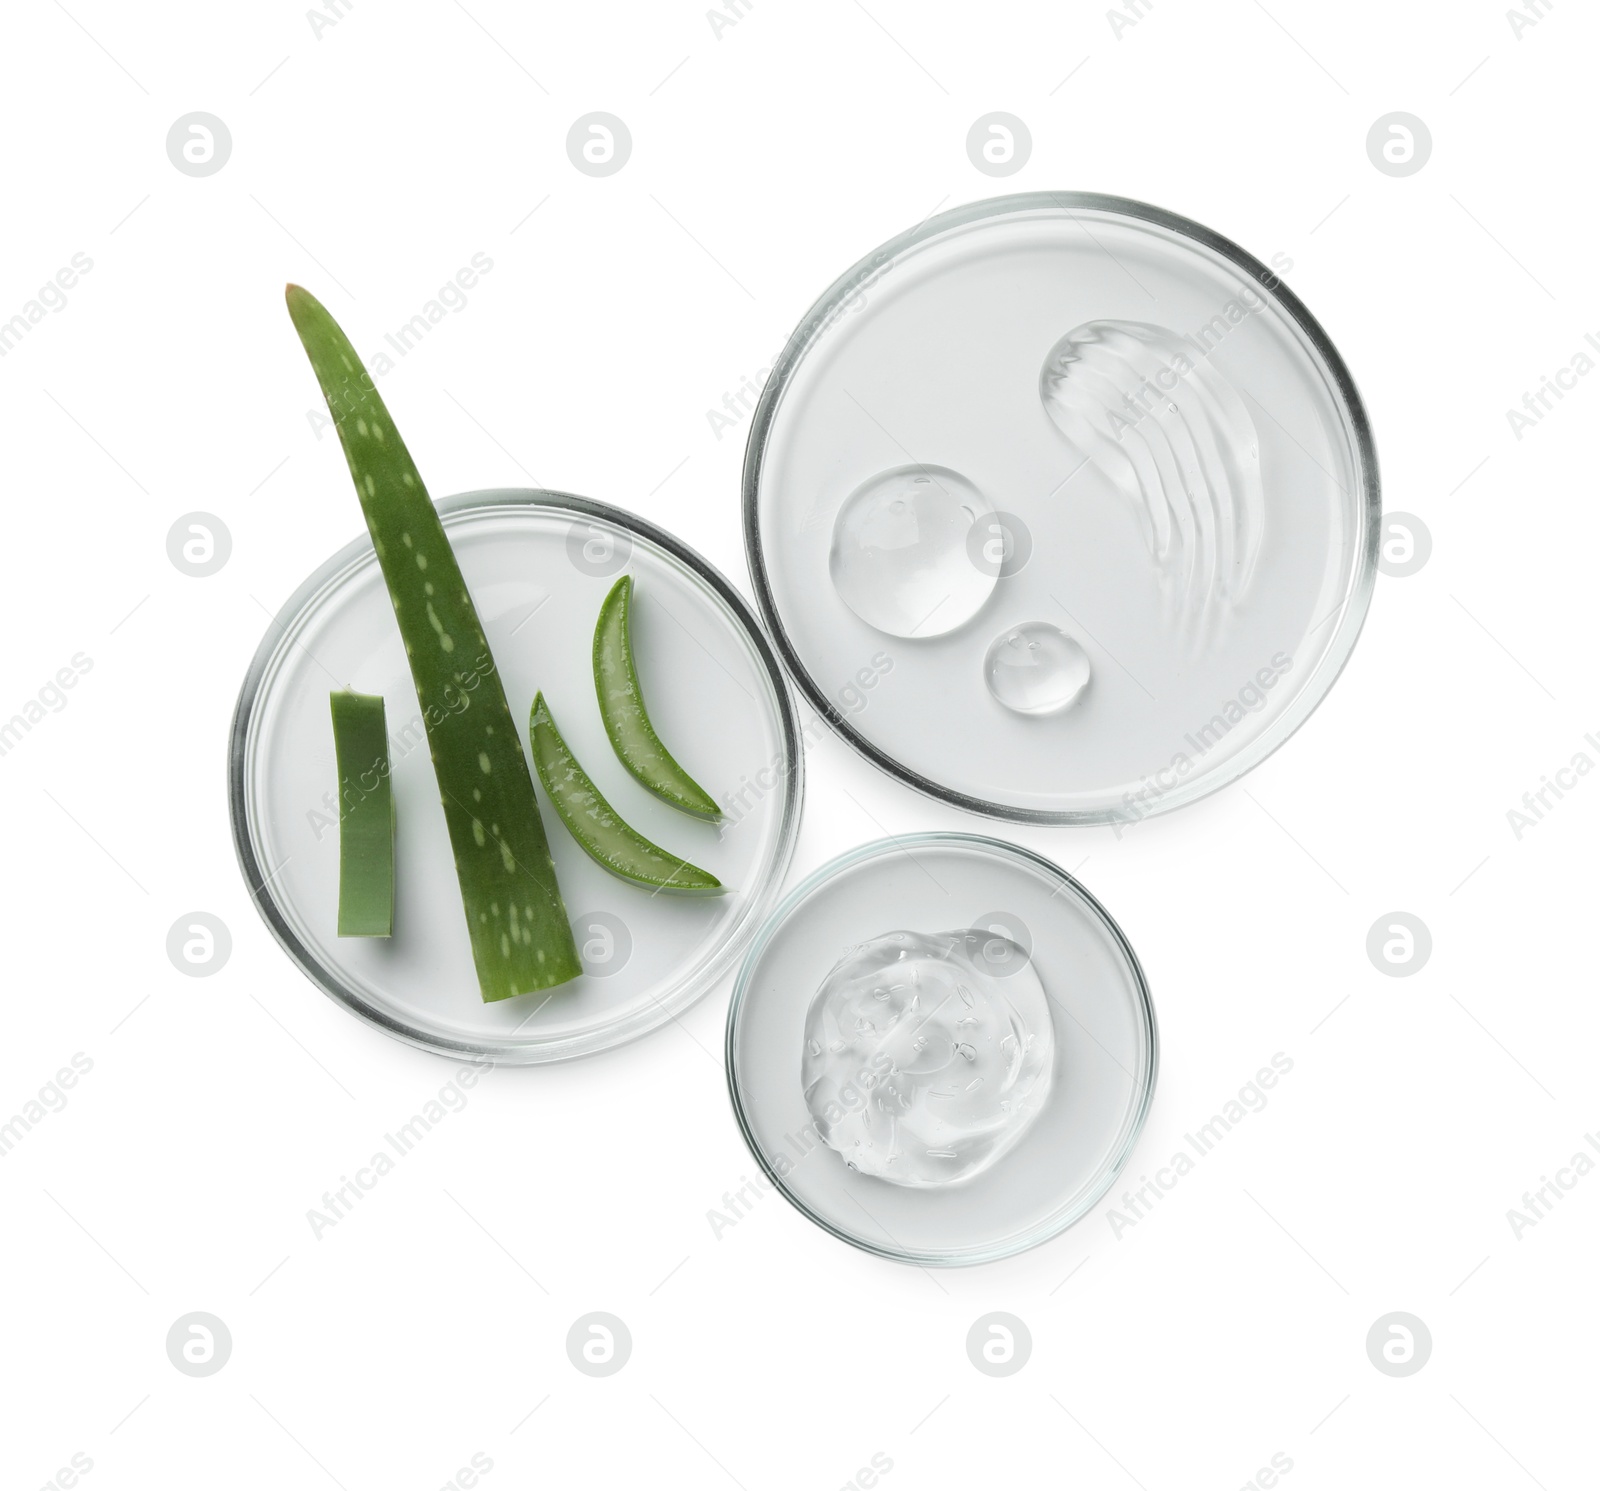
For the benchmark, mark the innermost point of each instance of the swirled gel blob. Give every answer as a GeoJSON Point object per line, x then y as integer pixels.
{"type": "Point", "coordinates": [899, 555]}
{"type": "Point", "coordinates": [1036, 668]}
{"type": "Point", "coordinates": [1147, 406]}
{"type": "Point", "coordinates": [927, 1056]}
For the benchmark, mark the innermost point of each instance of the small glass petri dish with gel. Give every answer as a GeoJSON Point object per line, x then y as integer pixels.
{"type": "Point", "coordinates": [538, 565]}
{"type": "Point", "coordinates": [941, 1049]}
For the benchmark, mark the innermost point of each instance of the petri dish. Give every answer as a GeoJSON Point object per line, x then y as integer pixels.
{"type": "Point", "coordinates": [1082, 489]}
{"type": "Point", "coordinates": [538, 565]}
{"type": "Point", "coordinates": [1102, 1024]}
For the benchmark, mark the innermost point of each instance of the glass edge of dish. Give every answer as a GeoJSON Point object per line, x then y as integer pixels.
{"type": "Point", "coordinates": [1133, 1123]}
{"type": "Point", "coordinates": [329, 575]}
{"type": "Point", "coordinates": [1352, 609]}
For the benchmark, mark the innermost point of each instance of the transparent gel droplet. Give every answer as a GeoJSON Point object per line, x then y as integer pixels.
{"type": "Point", "coordinates": [1036, 668]}
{"type": "Point", "coordinates": [1151, 410]}
{"type": "Point", "coordinates": [925, 1098]}
{"type": "Point", "coordinates": [899, 557]}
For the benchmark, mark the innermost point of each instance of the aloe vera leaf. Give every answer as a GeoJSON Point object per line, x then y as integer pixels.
{"type": "Point", "coordinates": [633, 737]}
{"type": "Point", "coordinates": [521, 939]}
{"type": "Point", "coordinates": [595, 824]}
{"type": "Point", "coordinates": [366, 816]}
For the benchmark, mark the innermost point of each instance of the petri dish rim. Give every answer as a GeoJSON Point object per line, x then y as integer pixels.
{"type": "Point", "coordinates": [1133, 1125]}
{"type": "Point", "coordinates": [1351, 615]}
{"type": "Point", "coordinates": [325, 580]}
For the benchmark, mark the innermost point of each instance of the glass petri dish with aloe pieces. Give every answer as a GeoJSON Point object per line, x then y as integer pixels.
{"type": "Point", "coordinates": [540, 567]}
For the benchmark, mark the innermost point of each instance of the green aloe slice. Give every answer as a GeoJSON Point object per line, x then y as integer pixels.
{"type": "Point", "coordinates": [521, 939]}
{"type": "Point", "coordinates": [633, 737]}
{"type": "Point", "coordinates": [366, 816]}
{"type": "Point", "coordinates": [602, 835]}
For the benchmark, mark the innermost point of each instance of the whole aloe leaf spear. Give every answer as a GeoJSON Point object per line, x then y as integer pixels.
{"type": "Point", "coordinates": [521, 939]}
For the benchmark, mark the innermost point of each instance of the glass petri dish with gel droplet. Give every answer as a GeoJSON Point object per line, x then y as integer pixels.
{"type": "Point", "coordinates": [941, 1049]}
{"type": "Point", "coordinates": [1087, 488]}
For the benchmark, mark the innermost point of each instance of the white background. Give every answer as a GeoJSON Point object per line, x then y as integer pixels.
{"type": "Point", "coordinates": [370, 163]}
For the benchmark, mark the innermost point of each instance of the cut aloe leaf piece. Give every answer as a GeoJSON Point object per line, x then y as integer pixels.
{"type": "Point", "coordinates": [601, 834]}
{"type": "Point", "coordinates": [521, 939]}
{"type": "Point", "coordinates": [633, 737]}
{"type": "Point", "coordinates": [366, 816]}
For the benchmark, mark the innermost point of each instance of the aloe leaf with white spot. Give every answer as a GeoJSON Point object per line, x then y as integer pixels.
{"type": "Point", "coordinates": [633, 737]}
{"type": "Point", "coordinates": [596, 825]}
{"type": "Point", "coordinates": [521, 938]}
